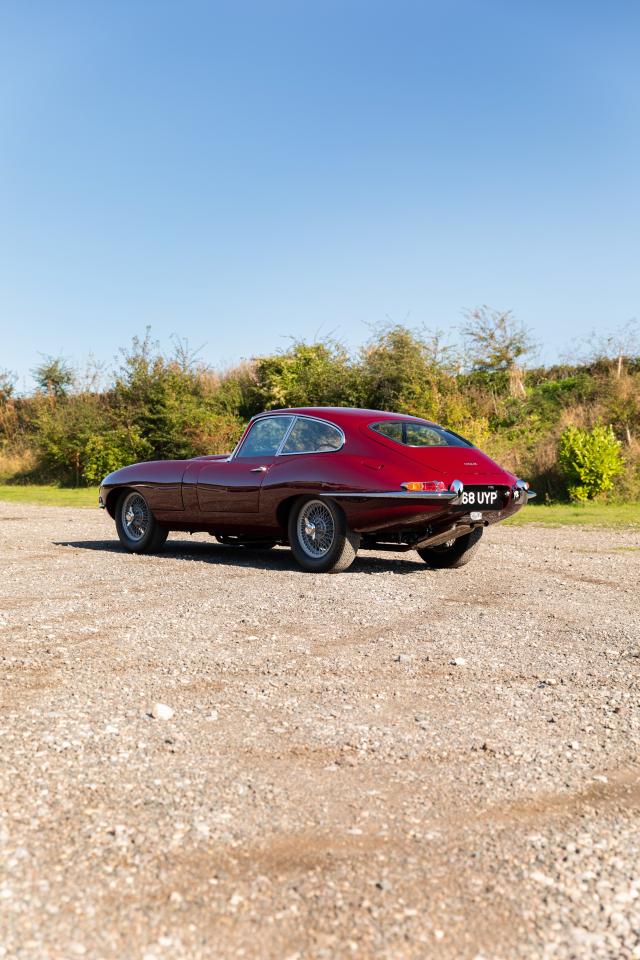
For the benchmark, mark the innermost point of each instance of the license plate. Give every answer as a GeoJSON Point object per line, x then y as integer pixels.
{"type": "Point", "coordinates": [488, 498]}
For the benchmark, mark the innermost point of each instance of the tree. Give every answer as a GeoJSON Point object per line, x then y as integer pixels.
{"type": "Point", "coordinates": [395, 372]}
{"type": "Point", "coordinates": [619, 345]}
{"type": "Point", "coordinates": [54, 376]}
{"type": "Point", "coordinates": [171, 403]}
{"type": "Point", "coordinates": [497, 342]}
{"type": "Point", "coordinates": [317, 374]}
{"type": "Point", "coordinates": [7, 385]}
{"type": "Point", "coordinates": [184, 355]}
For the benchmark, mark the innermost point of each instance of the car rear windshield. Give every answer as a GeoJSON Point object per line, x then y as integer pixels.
{"type": "Point", "coordinates": [413, 434]}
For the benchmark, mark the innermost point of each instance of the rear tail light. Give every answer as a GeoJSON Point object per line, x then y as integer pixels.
{"type": "Point", "coordinates": [423, 486]}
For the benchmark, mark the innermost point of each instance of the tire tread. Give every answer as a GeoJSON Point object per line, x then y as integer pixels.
{"type": "Point", "coordinates": [461, 552]}
{"type": "Point", "coordinates": [154, 539]}
{"type": "Point", "coordinates": [341, 555]}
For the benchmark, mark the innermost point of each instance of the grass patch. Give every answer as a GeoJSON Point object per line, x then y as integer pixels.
{"type": "Point", "coordinates": [588, 514]}
{"type": "Point", "coordinates": [49, 495]}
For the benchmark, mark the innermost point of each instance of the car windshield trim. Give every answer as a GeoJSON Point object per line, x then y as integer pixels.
{"type": "Point", "coordinates": [420, 423]}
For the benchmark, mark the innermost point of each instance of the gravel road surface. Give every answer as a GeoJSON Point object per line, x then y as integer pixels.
{"type": "Point", "coordinates": [392, 762]}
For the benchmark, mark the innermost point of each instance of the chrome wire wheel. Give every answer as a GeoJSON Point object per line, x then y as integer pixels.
{"type": "Point", "coordinates": [316, 529]}
{"type": "Point", "coordinates": [135, 516]}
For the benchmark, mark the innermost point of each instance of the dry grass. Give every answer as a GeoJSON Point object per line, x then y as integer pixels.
{"type": "Point", "coordinates": [15, 463]}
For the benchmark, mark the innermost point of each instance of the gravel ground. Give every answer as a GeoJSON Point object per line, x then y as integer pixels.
{"type": "Point", "coordinates": [392, 762]}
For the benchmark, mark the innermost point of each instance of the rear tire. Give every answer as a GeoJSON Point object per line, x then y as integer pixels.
{"type": "Point", "coordinates": [319, 536]}
{"type": "Point", "coordinates": [138, 529]}
{"type": "Point", "coordinates": [453, 555]}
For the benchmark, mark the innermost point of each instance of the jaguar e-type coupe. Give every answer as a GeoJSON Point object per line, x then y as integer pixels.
{"type": "Point", "coordinates": [327, 481]}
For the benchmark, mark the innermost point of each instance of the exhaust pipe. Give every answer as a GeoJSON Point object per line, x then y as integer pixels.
{"type": "Point", "coordinates": [451, 533]}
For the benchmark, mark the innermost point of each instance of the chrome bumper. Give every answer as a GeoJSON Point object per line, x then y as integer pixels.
{"type": "Point", "coordinates": [521, 494]}
{"type": "Point", "coordinates": [445, 496]}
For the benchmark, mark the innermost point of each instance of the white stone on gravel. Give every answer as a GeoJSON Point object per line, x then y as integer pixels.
{"type": "Point", "coordinates": [160, 711]}
{"type": "Point", "coordinates": [538, 877]}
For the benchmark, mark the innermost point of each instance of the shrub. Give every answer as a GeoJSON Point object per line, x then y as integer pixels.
{"type": "Point", "coordinates": [61, 429]}
{"type": "Point", "coordinates": [176, 408]}
{"type": "Point", "coordinates": [590, 461]}
{"type": "Point", "coordinates": [316, 374]}
{"type": "Point", "coordinates": [398, 371]}
{"type": "Point", "coordinates": [16, 464]}
{"type": "Point", "coordinates": [106, 452]}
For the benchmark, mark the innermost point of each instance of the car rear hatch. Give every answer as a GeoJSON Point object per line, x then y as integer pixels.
{"type": "Point", "coordinates": [458, 463]}
{"type": "Point", "coordinates": [486, 485]}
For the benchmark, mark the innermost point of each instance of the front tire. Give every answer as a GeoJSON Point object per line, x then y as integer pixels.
{"type": "Point", "coordinates": [138, 529]}
{"type": "Point", "coordinates": [320, 538]}
{"type": "Point", "coordinates": [453, 555]}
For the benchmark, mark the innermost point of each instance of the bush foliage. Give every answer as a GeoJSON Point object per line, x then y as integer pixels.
{"type": "Point", "coordinates": [590, 461]}
{"type": "Point", "coordinates": [570, 429]}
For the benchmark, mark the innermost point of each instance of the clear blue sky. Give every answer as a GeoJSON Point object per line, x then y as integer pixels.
{"type": "Point", "coordinates": [239, 172]}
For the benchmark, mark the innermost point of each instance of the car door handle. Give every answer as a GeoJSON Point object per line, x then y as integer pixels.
{"type": "Point", "coordinates": [258, 470]}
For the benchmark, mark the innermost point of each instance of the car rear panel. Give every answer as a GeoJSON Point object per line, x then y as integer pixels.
{"type": "Point", "coordinates": [467, 464]}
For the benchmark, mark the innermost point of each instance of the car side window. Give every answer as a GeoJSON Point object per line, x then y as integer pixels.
{"type": "Point", "coordinates": [313, 436]}
{"type": "Point", "coordinates": [391, 429]}
{"type": "Point", "coordinates": [412, 433]}
{"type": "Point", "coordinates": [422, 436]}
{"type": "Point", "coordinates": [264, 437]}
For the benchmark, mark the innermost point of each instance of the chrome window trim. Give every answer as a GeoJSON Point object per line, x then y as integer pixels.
{"type": "Point", "coordinates": [286, 433]}
{"type": "Point", "coordinates": [299, 453]}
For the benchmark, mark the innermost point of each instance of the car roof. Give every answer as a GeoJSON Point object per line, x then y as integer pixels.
{"type": "Point", "coordinates": [344, 415]}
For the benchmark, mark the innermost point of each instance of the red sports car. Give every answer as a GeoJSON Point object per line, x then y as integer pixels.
{"type": "Point", "coordinates": [327, 481]}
